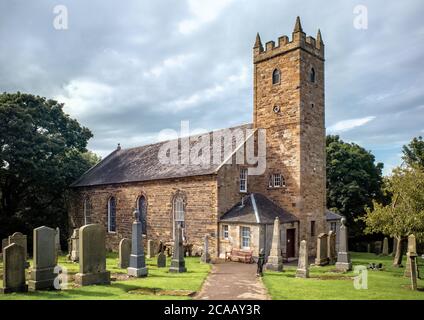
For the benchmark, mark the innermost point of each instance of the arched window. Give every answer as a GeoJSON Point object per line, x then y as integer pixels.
{"type": "Point", "coordinates": [276, 76]}
{"type": "Point", "coordinates": [142, 208]}
{"type": "Point", "coordinates": [111, 215]}
{"type": "Point", "coordinates": [312, 75]}
{"type": "Point", "coordinates": [179, 214]}
{"type": "Point", "coordinates": [87, 210]}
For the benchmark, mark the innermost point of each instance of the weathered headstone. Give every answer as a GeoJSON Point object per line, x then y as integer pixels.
{"type": "Point", "coordinates": [137, 266]}
{"type": "Point", "coordinates": [161, 256]}
{"type": "Point", "coordinates": [74, 246]}
{"type": "Point", "coordinates": [377, 247]}
{"type": "Point", "coordinates": [275, 260]}
{"type": "Point", "coordinates": [302, 270]}
{"type": "Point", "coordinates": [412, 250]}
{"type": "Point", "coordinates": [412, 256]}
{"type": "Point", "coordinates": [124, 253]}
{"type": "Point", "coordinates": [205, 255]}
{"type": "Point", "coordinates": [322, 259]}
{"type": "Point", "coordinates": [343, 257]}
{"type": "Point", "coordinates": [331, 247]}
{"type": "Point", "coordinates": [44, 253]}
{"type": "Point", "coordinates": [178, 262]}
{"type": "Point", "coordinates": [385, 251]}
{"type": "Point", "coordinates": [150, 249]}
{"type": "Point", "coordinates": [14, 269]}
{"type": "Point", "coordinates": [92, 256]}
{"type": "Point", "coordinates": [20, 240]}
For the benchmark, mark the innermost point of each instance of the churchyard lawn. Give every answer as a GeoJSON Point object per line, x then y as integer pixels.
{"type": "Point", "coordinates": [160, 284]}
{"type": "Point", "coordinates": [324, 284]}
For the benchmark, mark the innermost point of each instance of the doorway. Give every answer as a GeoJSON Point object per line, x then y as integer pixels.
{"type": "Point", "coordinates": [291, 233]}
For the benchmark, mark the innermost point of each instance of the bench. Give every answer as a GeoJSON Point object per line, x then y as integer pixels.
{"type": "Point", "coordinates": [238, 255]}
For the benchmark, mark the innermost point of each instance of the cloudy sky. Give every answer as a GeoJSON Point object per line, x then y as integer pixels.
{"type": "Point", "coordinates": [129, 69]}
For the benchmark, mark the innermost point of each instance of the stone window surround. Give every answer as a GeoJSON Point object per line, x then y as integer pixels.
{"type": "Point", "coordinates": [225, 232]}
{"type": "Point", "coordinates": [275, 81]}
{"type": "Point", "coordinates": [179, 194]}
{"type": "Point", "coordinates": [245, 234]}
{"type": "Point", "coordinates": [109, 216]}
{"type": "Point", "coordinates": [312, 75]}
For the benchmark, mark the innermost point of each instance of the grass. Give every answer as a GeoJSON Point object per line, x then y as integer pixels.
{"type": "Point", "coordinates": [325, 284]}
{"type": "Point", "coordinates": [158, 279]}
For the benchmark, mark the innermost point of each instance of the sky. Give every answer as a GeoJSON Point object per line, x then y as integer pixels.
{"type": "Point", "coordinates": [129, 69]}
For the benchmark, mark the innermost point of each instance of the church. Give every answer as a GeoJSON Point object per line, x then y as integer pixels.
{"type": "Point", "coordinates": [233, 202]}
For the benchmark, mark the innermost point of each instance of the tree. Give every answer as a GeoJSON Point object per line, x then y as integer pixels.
{"type": "Point", "coordinates": [354, 180]}
{"type": "Point", "coordinates": [404, 215]}
{"type": "Point", "coordinates": [42, 150]}
{"type": "Point", "coordinates": [413, 153]}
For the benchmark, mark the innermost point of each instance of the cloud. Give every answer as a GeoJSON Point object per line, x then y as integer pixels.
{"type": "Point", "coordinates": [346, 125]}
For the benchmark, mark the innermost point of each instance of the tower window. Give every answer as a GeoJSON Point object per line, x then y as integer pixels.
{"type": "Point", "coordinates": [312, 228]}
{"type": "Point", "coordinates": [312, 75]}
{"type": "Point", "coordinates": [276, 181]}
{"type": "Point", "coordinates": [276, 76]}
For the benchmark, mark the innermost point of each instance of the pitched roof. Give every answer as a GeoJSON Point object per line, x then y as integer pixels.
{"type": "Point", "coordinates": [330, 215]}
{"type": "Point", "coordinates": [257, 208]}
{"type": "Point", "coordinates": [143, 164]}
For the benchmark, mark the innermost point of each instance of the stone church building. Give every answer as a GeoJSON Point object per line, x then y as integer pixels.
{"type": "Point", "coordinates": [221, 198]}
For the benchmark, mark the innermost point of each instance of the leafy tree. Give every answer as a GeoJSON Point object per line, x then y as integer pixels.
{"type": "Point", "coordinates": [405, 212]}
{"type": "Point", "coordinates": [354, 180]}
{"type": "Point", "coordinates": [42, 150]}
{"type": "Point", "coordinates": [413, 153]}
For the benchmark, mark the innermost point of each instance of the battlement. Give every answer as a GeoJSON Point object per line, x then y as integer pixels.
{"type": "Point", "coordinates": [314, 46]}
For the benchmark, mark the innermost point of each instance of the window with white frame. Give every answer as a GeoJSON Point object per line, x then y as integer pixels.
{"type": "Point", "coordinates": [111, 215]}
{"type": "Point", "coordinates": [225, 233]}
{"type": "Point", "coordinates": [245, 237]}
{"type": "Point", "coordinates": [276, 181]}
{"type": "Point", "coordinates": [179, 215]}
{"type": "Point", "coordinates": [243, 180]}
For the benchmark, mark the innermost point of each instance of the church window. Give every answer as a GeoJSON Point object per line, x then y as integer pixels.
{"type": "Point", "coordinates": [142, 209]}
{"type": "Point", "coordinates": [111, 214]}
{"type": "Point", "coordinates": [312, 228]}
{"type": "Point", "coordinates": [179, 214]}
{"type": "Point", "coordinates": [312, 75]}
{"type": "Point", "coordinates": [87, 211]}
{"type": "Point", "coordinates": [243, 180]}
{"type": "Point", "coordinates": [276, 76]}
{"type": "Point", "coordinates": [245, 237]}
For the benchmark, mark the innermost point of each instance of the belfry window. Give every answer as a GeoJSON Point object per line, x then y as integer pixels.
{"type": "Point", "coordinates": [312, 75]}
{"type": "Point", "coordinates": [276, 76]}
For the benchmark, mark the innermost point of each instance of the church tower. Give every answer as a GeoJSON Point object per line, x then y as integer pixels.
{"type": "Point", "coordinates": [289, 104]}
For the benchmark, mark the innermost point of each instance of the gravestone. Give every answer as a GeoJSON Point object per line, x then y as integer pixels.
{"type": "Point", "coordinates": [331, 247]}
{"type": "Point", "coordinates": [412, 249]}
{"type": "Point", "coordinates": [44, 253]}
{"type": "Point", "coordinates": [124, 253]}
{"type": "Point", "coordinates": [14, 269]}
{"type": "Point", "coordinates": [322, 241]}
{"type": "Point", "coordinates": [20, 240]}
{"type": "Point", "coordinates": [205, 255]}
{"type": "Point", "coordinates": [385, 251]}
{"type": "Point", "coordinates": [150, 249]}
{"type": "Point", "coordinates": [377, 247]}
{"type": "Point", "coordinates": [161, 256]}
{"type": "Point", "coordinates": [275, 260]}
{"type": "Point", "coordinates": [412, 256]}
{"type": "Point", "coordinates": [92, 256]}
{"type": "Point", "coordinates": [178, 262]}
{"type": "Point", "coordinates": [74, 246]}
{"type": "Point", "coordinates": [302, 270]}
{"type": "Point", "coordinates": [137, 266]}
{"type": "Point", "coordinates": [343, 257]}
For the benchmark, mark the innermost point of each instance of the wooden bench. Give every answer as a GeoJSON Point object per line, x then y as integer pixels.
{"type": "Point", "coordinates": [238, 255]}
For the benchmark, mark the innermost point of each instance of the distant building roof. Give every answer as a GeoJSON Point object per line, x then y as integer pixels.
{"type": "Point", "coordinates": [330, 215]}
{"type": "Point", "coordinates": [257, 208]}
{"type": "Point", "coordinates": [142, 164]}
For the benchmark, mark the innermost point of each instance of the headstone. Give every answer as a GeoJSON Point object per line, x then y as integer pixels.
{"type": "Point", "coordinates": [124, 253]}
{"type": "Point", "coordinates": [92, 256]}
{"type": "Point", "coordinates": [343, 257]}
{"type": "Point", "coordinates": [150, 249]}
{"type": "Point", "coordinates": [161, 256]}
{"type": "Point", "coordinates": [322, 259]}
{"type": "Point", "coordinates": [385, 251]}
{"type": "Point", "coordinates": [377, 247]}
{"type": "Point", "coordinates": [74, 246]}
{"type": "Point", "coordinates": [44, 253]}
{"type": "Point", "coordinates": [178, 262]}
{"type": "Point", "coordinates": [14, 269]}
{"type": "Point", "coordinates": [275, 260]}
{"type": "Point", "coordinates": [206, 258]}
{"type": "Point", "coordinates": [412, 250]}
{"type": "Point", "coordinates": [137, 266]}
{"type": "Point", "coordinates": [20, 240]}
{"type": "Point", "coordinates": [302, 270]}
{"type": "Point", "coordinates": [331, 247]}
{"type": "Point", "coordinates": [412, 256]}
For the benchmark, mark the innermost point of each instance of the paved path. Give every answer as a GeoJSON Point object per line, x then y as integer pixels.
{"type": "Point", "coordinates": [232, 281]}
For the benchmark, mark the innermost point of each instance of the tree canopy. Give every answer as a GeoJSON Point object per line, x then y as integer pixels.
{"type": "Point", "coordinates": [354, 180]}
{"type": "Point", "coordinates": [42, 150]}
{"type": "Point", "coordinates": [413, 153]}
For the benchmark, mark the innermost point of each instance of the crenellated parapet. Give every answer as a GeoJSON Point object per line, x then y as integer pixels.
{"type": "Point", "coordinates": [299, 40]}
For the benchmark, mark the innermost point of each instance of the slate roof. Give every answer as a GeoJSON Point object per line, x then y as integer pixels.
{"type": "Point", "coordinates": [142, 164]}
{"type": "Point", "coordinates": [330, 215]}
{"type": "Point", "coordinates": [257, 208]}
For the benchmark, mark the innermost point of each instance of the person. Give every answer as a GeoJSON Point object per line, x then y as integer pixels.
{"type": "Point", "coordinates": [261, 262]}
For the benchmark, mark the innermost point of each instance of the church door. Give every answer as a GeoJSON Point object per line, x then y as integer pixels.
{"type": "Point", "coordinates": [290, 242]}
